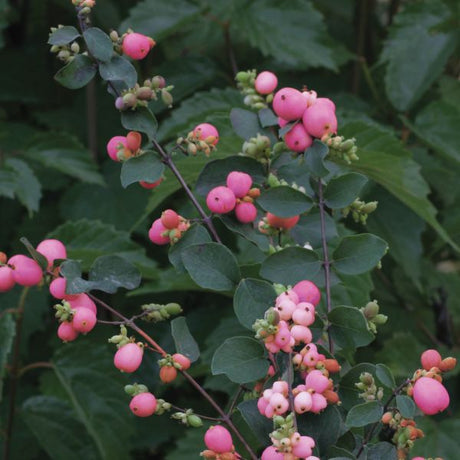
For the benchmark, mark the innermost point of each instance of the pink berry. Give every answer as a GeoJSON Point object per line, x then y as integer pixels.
{"type": "Point", "coordinates": [150, 185]}
{"type": "Point", "coordinates": [84, 320]}
{"type": "Point", "coordinates": [304, 447]}
{"type": "Point", "coordinates": [137, 46]}
{"type": "Point", "coordinates": [52, 250]}
{"type": "Point", "coordinates": [205, 131]}
{"type": "Point", "coordinates": [282, 222]}
{"type": "Point", "coordinates": [218, 439]}
{"type": "Point", "coordinates": [285, 309]}
{"type": "Point", "coordinates": [307, 292]}
{"type": "Point", "coordinates": [129, 357]}
{"type": "Point", "coordinates": [58, 287]}
{"type": "Point", "coordinates": [303, 317]}
{"type": "Point", "coordinates": [326, 102]}
{"type": "Point", "coordinates": [266, 82]}
{"type": "Point", "coordinates": [245, 212]}
{"type": "Point", "coordinates": [301, 334]}
{"type": "Point", "coordinates": [239, 183]}
{"type": "Point", "coordinates": [156, 232]}
{"type": "Point", "coordinates": [297, 139]}
{"type": "Point", "coordinates": [317, 381]}
{"type": "Point", "coordinates": [280, 386]}
{"type": "Point", "coordinates": [66, 332]}
{"type": "Point", "coordinates": [170, 219]}
{"type": "Point", "coordinates": [114, 145]}
{"type": "Point", "coordinates": [430, 396]}
{"type": "Point", "coordinates": [282, 337]}
{"type": "Point", "coordinates": [262, 404]}
{"type": "Point", "coordinates": [81, 301]}
{"type": "Point", "coordinates": [290, 295]}
{"type": "Point", "coordinates": [270, 453]}
{"type": "Point", "coordinates": [26, 271]}
{"type": "Point", "coordinates": [430, 358]}
{"type": "Point", "coordinates": [143, 404]}
{"type": "Point", "coordinates": [303, 402]}
{"type": "Point", "coordinates": [221, 200]}
{"type": "Point", "coordinates": [319, 402]}
{"type": "Point", "coordinates": [282, 122]}
{"type": "Point", "coordinates": [182, 360]}
{"type": "Point", "coordinates": [6, 278]}
{"type": "Point", "coordinates": [289, 104]}
{"type": "Point", "coordinates": [310, 97]}
{"type": "Point", "coordinates": [319, 120]}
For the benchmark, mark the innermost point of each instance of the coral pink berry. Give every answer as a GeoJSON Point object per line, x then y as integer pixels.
{"type": "Point", "coordinates": [205, 131]}
{"type": "Point", "coordinates": [157, 233]}
{"type": "Point", "coordinates": [301, 334]}
{"type": "Point", "coordinates": [52, 250]}
{"type": "Point", "coordinates": [83, 320]}
{"type": "Point", "coordinates": [245, 212]}
{"type": "Point", "coordinates": [326, 102]}
{"type": "Point", "coordinates": [239, 183]}
{"type": "Point", "coordinates": [66, 332]}
{"type": "Point", "coordinates": [303, 317]}
{"type": "Point", "coordinates": [270, 453]}
{"type": "Point", "coordinates": [297, 139]}
{"type": "Point", "coordinates": [303, 447]}
{"type": "Point", "coordinates": [129, 357]}
{"type": "Point", "coordinates": [6, 278]}
{"type": "Point", "coordinates": [289, 104]}
{"type": "Point", "coordinates": [221, 200]}
{"type": "Point", "coordinates": [285, 309]}
{"type": "Point", "coordinates": [170, 219]}
{"type": "Point", "coordinates": [57, 288]}
{"type": "Point", "coordinates": [116, 144]}
{"type": "Point", "coordinates": [218, 439]}
{"type": "Point", "coordinates": [307, 292]}
{"type": "Point", "coordinates": [282, 222]}
{"type": "Point", "coordinates": [143, 404]}
{"type": "Point", "coordinates": [319, 402]}
{"type": "Point", "coordinates": [150, 185]}
{"type": "Point", "coordinates": [182, 360]}
{"type": "Point", "coordinates": [430, 358]}
{"type": "Point", "coordinates": [26, 271]}
{"type": "Point", "coordinates": [319, 120]}
{"type": "Point", "coordinates": [290, 295]}
{"type": "Point", "coordinates": [168, 374]}
{"type": "Point", "coordinates": [303, 402]}
{"type": "Point", "coordinates": [317, 381]}
{"type": "Point", "coordinates": [81, 301]}
{"type": "Point", "coordinates": [430, 396]}
{"type": "Point", "coordinates": [137, 46]}
{"type": "Point", "coordinates": [266, 82]}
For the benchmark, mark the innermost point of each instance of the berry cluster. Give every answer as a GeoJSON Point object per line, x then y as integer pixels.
{"type": "Point", "coordinates": [121, 148]}
{"type": "Point", "coordinates": [257, 89]}
{"type": "Point", "coordinates": [237, 195]}
{"type": "Point", "coordinates": [219, 444]}
{"type": "Point", "coordinates": [203, 138]}
{"type": "Point", "coordinates": [169, 228]}
{"type": "Point", "coordinates": [170, 364]}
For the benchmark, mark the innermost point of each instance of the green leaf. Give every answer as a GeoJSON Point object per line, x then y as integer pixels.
{"type": "Point", "coordinates": [383, 159]}
{"type": "Point", "coordinates": [241, 359]}
{"type": "Point", "coordinates": [308, 229]}
{"type": "Point", "coordinates": [285, 201]}
{"type": "Point", "coordinates": [212, 266]}
{"type": "Point", "coordinates": [405, 405]}
{"type": "Point", "coordinates": [94, 387]}
{"type": "Point", "coordinates": [59, 432]}
{"type": "Point", "coordinates": [141, 119]}
{"type": "Point", "coordinates": [416, 55]}
{"type": "Point", "coordinates": [160, 19]}
{"type": "Point", "coordinates": [314, 158]}
{"type": "Point", "coordinates": [147, 167]}
{"type": "Point", "coordinates": [194, 235]}
{"type": "Point", "coordinates": [118, 69]}
{"type": "Point", "coordinates": [358, 253]}
{"type": "Point", "coordinates": [267, 118]}
{"type": "Point", "coordinates": [77, 73]}
{"type": "Point", "coordinates": [99, 44]}
{"type": "Point", "coordinates": [63, 36]}
{"type": "Point", "coordinates": [252, 299]}
{"type": "Point", "coordinates": [349, 328]}
{"type": "Point", "coordinates": [382, 450]}
{"type": "Point", "coordinates": [290, 266]}
{"type": "Point", "coordinates": [385, 375]}
{"type": "Point", "coordinates": [245, 123]}
{"type": "Point", "coordinates": [261, 426]}
{"type": "Point", "coordinates": [37, 256]}
{"type": "Point", "coordinates": [364, 414]}
{"type": "Point", "coordinates": [343, 190]}
{"type": "Point", "coordinates": [7, 333]}
{"type": "Point", "coordinates": [277, 27]}
{"type": "Point", "coordinates": [184, 341]}
{"type": "Point", "coordinates": [247, 231]}
{"type": "Point", "coordinates": [215, 172]}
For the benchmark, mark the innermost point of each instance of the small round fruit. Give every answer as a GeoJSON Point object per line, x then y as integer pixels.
{"type": "Point", "coordinates": [26, 271]}
{"type": "Point", "coordinates": [66, 332]}
{"type": "Point", "coordinates": [182, 360]}
{"type": "Point", "coordinates": [137, 46]}
{"type": "Point", "coordinates": [289, 104]}
{"type": "Point", "coordinates": [170, 219]}
{"type": "Point", "coordinates": [143, 405]}
{"type": "Point", "coordinates": [266, 82]}
{"type": "Point", "coordinates": [239, 183]}
{"type": "Point", "coordinates": [307, 292]}
{"type": "Point", "coordinates": [6, 278]}
{"type": "Point", "coordinates": [218, 439]}
{"type": "Point", "coordinates": [430, 358]}
{"type": "Point", "coordinates": [128, 358]}
{"type": "Point", "coordinates": [245, 212]}
{"type": "Point", "coordinates": [205, 130]}
{"type": "Point", "coordinates": [319, 120]}
{"type": "Point", "coordinates": [116, 144]}
{"type": "Point", "coordinates": [58, 287]}
{"type": "Point", "coordinates": [150, 185]}
{"type": "Point", "coordinates": [221, 200]}
{"type": "Point", "coordinates": [81, 301]}
{"type": "Point", "coordinates": [281, 222]}
{"type": "Point", "coordinates": [168, 374]}
{"type": "Point", "coordinates": [84, 320]}
{"type": "Point", "coordinates": [157, 231]}
{"type": "Point", "coordinates": [52, 250]}
{"type": "Point", "coordinates": [430, 395]}
{"type": "Point", "coordinates": [297, 139]}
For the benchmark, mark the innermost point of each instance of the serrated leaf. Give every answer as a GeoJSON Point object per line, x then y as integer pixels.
{"type": "Point", "coordinates": [141, 119]}
{"type": "Point", "coordinates": [383, 159]}
{"type": "Point", "coordinates": [7, 333]}
{"type": "Point", "coordinates": [183, 339]}
{"type": "Point", "coordinates": [212, 266]}
{"type": "Point", "coordinates": [63, 36]}
{"type": "Point", "coordinates": [57, 429]}
{"type": "Point", "coordinates": [414, 53]}
{"type": "Point", "coordinates": [252, 299]}
{"type": "Point", "coordinates": [290, 266]}
{"type": "Point", "coordinates": [147, 167]}
{"type": "Point", "coordinates": [364, 414]}
{"type": "Point", "coordinates": [385, 375]}
{"type": "Point", "coordinates": [349, 328]}
{"type": "Point", "coordinates": [358, 253]}
{"type": "Point", "coordinates": [405, 405]}
{"type": "Point", "coordinates": [241, 359]}
{"type": "Point", "coordinates": [245, 123]}
{"type": "Point", "coordinates": [99, 44]}
{"type": "Point", "coordinates": [77, 73]}
{"type": "Point", "coordinates": [118, 69]}
{"type": "Point", "coordinates": [285, 201]}
{"type": "Point", "coordinates": [314, 158]}
{"type": "Point", "coordinates": [343, 190]}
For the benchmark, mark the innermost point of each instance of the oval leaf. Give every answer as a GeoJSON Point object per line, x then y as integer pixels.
{"type": "Point", "coordinates": [343, 190]}
{"type": "Point", "coordinates": [406, 406]}
{"type": "Point", "coordinates": [285, 201]}
{"type": "Point", "coordinates": [245, 123]}
{"type": "Point", "coordinates": [147, 167]}
{"type": "Point", "coordinates": [241, 359]}
{"type": "Point", "coordinates": [118, 69]}
{"type": "Point", "coordinates": [184, 341]}
{"type": "Point", "coordinates": [314, 159]}
{"type": "Point", "coordinates": [77, 73]}
{"type": "Point", "coordinates": [63, 36]}
{"type": "Point", "coordinates": [385, 376]}
{"type": "Point", "coordinates": [99, 44]}
{"type": "Point", "coordinates": [364, 414]}
{"type": "Point", "coordinates": [141, 119]}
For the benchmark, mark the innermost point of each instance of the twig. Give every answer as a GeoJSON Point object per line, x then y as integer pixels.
{"type": "Point", "coordinates": [291, 395]}
{"type": "Point", "coordinates": [37, 365]}
{"type": "Point", "coordinates": [205, 417]}
{"type": "Point", "coordinates": [229, 46]}
{"type": "Point", "coordinates": [235, 400]}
